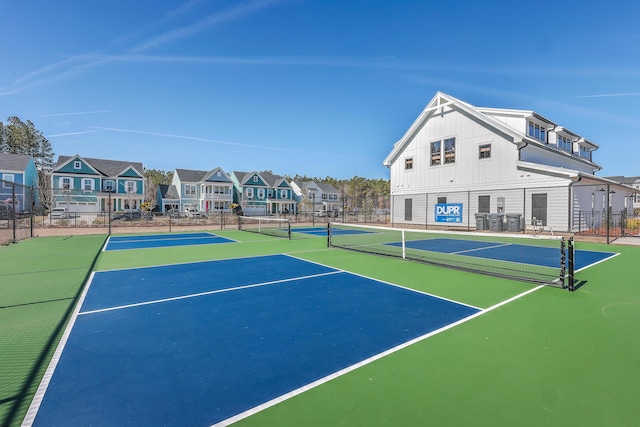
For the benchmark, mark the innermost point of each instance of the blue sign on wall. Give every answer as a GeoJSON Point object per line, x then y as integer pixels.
{"type": "Point", "coordinates": [449, 212]}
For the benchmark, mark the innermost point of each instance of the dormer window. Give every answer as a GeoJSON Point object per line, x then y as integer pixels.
{"type": "Point", "coordinates": [538, 132]}
{"type": "Point", "coordinates": [564, 144]}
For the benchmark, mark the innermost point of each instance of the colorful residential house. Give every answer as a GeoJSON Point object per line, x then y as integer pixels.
{"type": "Point", "coordinates": [458, 160]}
{"type": "Point", "coordinates": [167, 198]}
{"type": "Point", "coordinates": [203, 191]}
{"type": "Point", "coordinates": [263, 193]}
{"type": "Point", "coordinates": [316, 196]}
{"type": "Point", "coordinates": [18, 181]}
{"type": "Point", "coordinates": [97, 185]}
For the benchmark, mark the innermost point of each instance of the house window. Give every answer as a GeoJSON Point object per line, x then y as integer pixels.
{"type": "Point", "coordinates": [485, 151]}
{"type": "Point", "coordinates": [189, 189]}
{"type": "Point", "coordinates": [537, 132]}
{"type": "Point", "coordinates": [531, 129]}
{"type": "Point", "coordinates": [255, 178]}
{"type": "Point", "coordinates": [249, 193]}
{"type": "Point", "coordinates": [284, 194]}
{"type": "Point", "coordinates": [408, 164]}
{"type": "Point", "coordinates": [109, 185]}
{"type": "Point", "coordinates": [449, 148]}
{"type": "Point", "coordinates": [87, 184]}
{"type": "Point", "coordinates": [543, 136]}
{"type": "Point", "coordinates": [564, 143]}
{"type": "Point", "coordinates": [77, 164]}
{"type": "Point", "coordinates": [8, 180]}
{"type": "Point", "coordinates": [66, 183]}
{"type": "Point", "coordinates": [324, 196]}
{"type": "Point", "coordinates": [260, 193]}
{"type": "Point", "coordinates": [130, 186]}
{"type": "Point", "coordinates": [585, 153]}
{"type": "Point", "coordinates": [436, 153]}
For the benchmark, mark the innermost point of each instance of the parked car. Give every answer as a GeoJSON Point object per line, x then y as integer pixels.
{"type": "Point", "coordinates": [59, 213]}
{"type": "Point", "coordinates": [128, 215]}
{"type": "Point", "coordinates": [6, 211]}
{"type": "Point", "coordinates": [194, 213]}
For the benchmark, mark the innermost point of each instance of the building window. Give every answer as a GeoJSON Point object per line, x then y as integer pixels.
{"type": "Point", "coordinates": [436, 153]}
{"type": "Point", "coordinates": [585, 153]}
{"type": "Point", "coordinates": [485, 151]}
{"type": "Point", "coordinates": [448, 146]}
{"type": "Point", "coordinates": [260, 193]}
{"type": "Point", "coordinates": [77, 164]}
{"type": "Point", "coordinates": [87, 184]}
{"type": "Point", "coordinates": [408, 164]}
{"type": "Point", "coordinates": [450, 150]}
{"type": "Point", "coordinates": [66, 183]}
{"type": "Point", "coordinates": [537, 132]}
{"type": "Point", "coordinates": [255, 178]}
{"type": "Point", "coordinates": [442, 200]}
{"type": "Point", "coordinates": [484, 204]}
{"type": "Point", "coordinates": [564, 144]}
{"type": "Point", "coordinates": [130, 186]}
{"type": "Point", "coordinates": [109, 185]}
{"type": "Point", "coordinates": [249, 193]}
{"type": "Point", "coordinates": [8, 180]}
{"type": "Point", "coordinates": [189, 189]}
{"type": "Point", "coordinates": [283, 194]}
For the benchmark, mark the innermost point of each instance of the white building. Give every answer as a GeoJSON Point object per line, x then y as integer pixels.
{"type": "Point", "coordinates": [203, 191]}
{"type": "Point", "coordinates": [314, 196]}
{"type": "Point", "coordinates": [457, 160]}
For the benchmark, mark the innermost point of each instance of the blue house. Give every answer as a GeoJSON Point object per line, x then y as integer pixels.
{"type": "Point", "coordinates": [18, 181]}
{"type": "Point", "coordinates": [88, 185]}
{"type": "Point", "coordinates": [263, 193]}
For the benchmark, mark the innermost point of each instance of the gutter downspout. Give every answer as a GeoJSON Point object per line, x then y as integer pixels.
{"type": "Point", "coordinates": [520, 148]}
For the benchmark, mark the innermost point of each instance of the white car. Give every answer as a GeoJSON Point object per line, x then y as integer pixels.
{"type": "Point", "coordinates": [59, 213]}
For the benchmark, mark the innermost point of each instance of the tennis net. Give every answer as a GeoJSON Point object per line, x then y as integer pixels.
{"type": "Point", "coordinates": [538, 259]}
{"type": "Point", "coordinates": [278, 227]}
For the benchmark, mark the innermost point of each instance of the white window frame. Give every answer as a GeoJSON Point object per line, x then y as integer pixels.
{"type": "Point", "coordinates": [249, 193]}
{"type": "Point", "coordinates": [87, 182]}
{"type": "Point", "coordinates": [261, 193]}
{"type": "Point", "coordinates": [440, 156]}
{"type": "Point", "coordinates": [77, 164]}
{"type": "Point", "coordinates": [284, 194]}
{"type": "Point", "coordinates": [130, 187]}
{"type": "Point", "coordinates": [190, 189]}
{"type": "Point", "coordinates": [109, 185]}
{"type": "Point", "coordinates": [10, 178]}
{"type": "Point", "coordinates": [66, 183]}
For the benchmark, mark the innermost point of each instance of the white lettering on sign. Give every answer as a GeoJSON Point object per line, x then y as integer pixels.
{"type": "Point", "coordinates": [448, 210]}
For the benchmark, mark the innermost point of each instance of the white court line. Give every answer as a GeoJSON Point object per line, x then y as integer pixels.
{"type": "Point", "coordinates": [483, 248]}
{"type": "Point", "coordinates": [348, 369]}
{"type": "Point", "coordinates": [217, 291]}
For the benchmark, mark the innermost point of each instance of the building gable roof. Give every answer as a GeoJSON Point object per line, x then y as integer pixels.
{"type": "Point", "coordinates": [169, 192]}
{"type": "Point", "coordinates": [437, 104]}
{"type": "Point", "coordinates": [14, 162]}
{"type": "Point", "coordinates": [106, 168]}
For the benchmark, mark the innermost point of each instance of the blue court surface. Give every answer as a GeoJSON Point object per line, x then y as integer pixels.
{"type": "Point", "coordinates": [116, 243]}
{"type": "Point", "coordinates": [197, 344]}
{"type": "Point", "coordinates": [523, 254]}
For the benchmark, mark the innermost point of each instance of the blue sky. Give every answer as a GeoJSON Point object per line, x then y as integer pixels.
{"type": "Point", "coordinates": [315, 87]}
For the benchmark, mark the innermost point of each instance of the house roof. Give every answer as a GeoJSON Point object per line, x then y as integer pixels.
{"type": "Point", "coordinates": [109, 168]}
{"type": "Point", "coordinates": [168, 192]}
{"type": "Point", "coordinates": [438, 103]}
{"type": "Point", "coordinates": [269, 178]}
{"type": "Point", "coordinates": [14, 162]}
{"type": "Point", "coordinates": [327, 188]}
{"type": "Point", "coordinates": [188, 175]}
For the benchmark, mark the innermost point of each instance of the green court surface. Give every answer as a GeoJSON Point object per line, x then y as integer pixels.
{"type": "Point", "coordinates": [548, 357]}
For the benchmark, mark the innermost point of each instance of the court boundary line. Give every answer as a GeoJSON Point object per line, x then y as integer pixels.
{"type": "Point", "coordinates": [318, 382]}
{"type": "Point", "coordinates": [199, 294]}
{"type": "Point", "coordinates": [104, 249]}
{"type": "Point", "coordinates": [613, 255]}
{"type": "Point", "coordinates": [38, 397]}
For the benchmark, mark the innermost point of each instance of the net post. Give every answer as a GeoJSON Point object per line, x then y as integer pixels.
{"type": "Point", "coordinates": [329, 234]}
{"type": "Point", "coordinates": [563, 262]}
{"type": "Point", "coordinates": [288, 229]}
{"type": "Point", "coordinates": [404, 251]}
{"type": "Point", "coordinates": [571, 264]}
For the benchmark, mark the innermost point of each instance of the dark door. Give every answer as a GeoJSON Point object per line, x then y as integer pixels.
{"type": "Point", "coordinates": [539, 207]}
